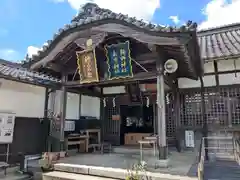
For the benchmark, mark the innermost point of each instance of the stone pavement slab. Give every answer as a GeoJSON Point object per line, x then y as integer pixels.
{"type": "Point", "coordinates": [14, 176]}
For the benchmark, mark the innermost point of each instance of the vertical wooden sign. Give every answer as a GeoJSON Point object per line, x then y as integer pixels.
{"type": "Point", "coordinates": [87, 65]}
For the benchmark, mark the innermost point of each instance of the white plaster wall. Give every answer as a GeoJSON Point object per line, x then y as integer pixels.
{"type": "Point", "coordinates": [90, 106]}
{"type": "Point", "coordinates": [224, 79]}
{"type": "Point", "coordinates": [121, 89]}
{"type": "Point", "coordinates": [229, 65]}
{"type": "Point", "coordinates": [72, 108]}
{"type": "Point", "coordinates": [228, 79]}
{"type": "Point", "coordinates": [114, 90]}
{"type": "Point", "coordinates": [189, 83]}
{"type": "Point", "coordinates": [208, 67]}
{"type": "Point", "coordinates": [23, 99]}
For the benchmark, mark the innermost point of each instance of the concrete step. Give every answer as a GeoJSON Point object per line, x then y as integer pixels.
{"type": "Point", "coordinates": [114, 173]}
{"type": "Point", "coordinates": [55, 175]}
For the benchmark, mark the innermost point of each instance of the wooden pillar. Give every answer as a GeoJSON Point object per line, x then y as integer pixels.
{"type": "Point", "coordinates": [102, 116]}
{"type": "Point", "coordinates": [80, 108]}
{"type": "Point", "coordinates": [161, 114]}
{"type": "Point", "coordinates": [216, 75]}
{"type": "Point", "coordinates": [177, 116]}
{"type": "Point", "coordinates": [63, 105]}
{"type": "Point", "coordinates": [47, 92]}
{"type": "Point", "coordinates": [205, 126]}
{"type": "Point", "coordinates": [46, 123]}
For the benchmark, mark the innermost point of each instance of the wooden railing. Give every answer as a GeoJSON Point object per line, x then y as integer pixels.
{"type": "Point", "coordinates": [236, 146]}
{"type": "Point", "coordinates": [201, 160]}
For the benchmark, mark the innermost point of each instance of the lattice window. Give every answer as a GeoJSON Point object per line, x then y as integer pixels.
{"type": "Point", "coordinates": [234, 95]}
{"type": "Point", "coordinates": [190, 109]}
{"type": "Point", "coordinates": [111, 126]}
{"type": "Point", "coordinates": [222, 106]}
{"type": "Point", "coordinates": [170, 119]}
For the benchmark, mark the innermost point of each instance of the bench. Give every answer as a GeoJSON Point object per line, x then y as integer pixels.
{"type": "Point", "coordinates": [4, 166]}
{"type": "Point", "coordinates": [102, 147]}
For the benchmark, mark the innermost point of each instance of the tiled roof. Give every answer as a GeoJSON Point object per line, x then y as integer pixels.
{"type": "Point", "coordinates": [18, 73]}
{"type": "Point", "coordinates": [90, 13]}
{"type": "Point", "coordinates": [220, 43]}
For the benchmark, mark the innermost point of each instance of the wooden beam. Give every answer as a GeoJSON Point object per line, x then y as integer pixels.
{"type": "Point", "coordinates": [58, 67]}
{"type": "Point", "coordinates": [204, 118]}
{"type": "Point", "coordinates": [63, 110]}
{"type": "Point", "coordinates": [216, 74]}
{"type": "Point", "coordinates": [54, 67]}
{"type": "Point", "coordinates": [137, 77]}
{"type": "Point", "coordinates": [147, 56]}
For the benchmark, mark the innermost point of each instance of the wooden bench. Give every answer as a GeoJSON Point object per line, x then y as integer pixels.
{"type": "Point", "coordinates": [102, 147]}
{"type": "Point", "coordinates": [78, 140]}
{"type": "Point", "coordinates": [4, 166]}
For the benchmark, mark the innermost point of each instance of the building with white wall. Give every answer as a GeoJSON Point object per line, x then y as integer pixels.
{"type": "Point", "coordinates": [24, 92]}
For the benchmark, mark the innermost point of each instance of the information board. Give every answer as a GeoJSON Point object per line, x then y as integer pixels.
{"type": "Point", "coordinates": [189, 139]}
{"type": "Point", "coordinates": [7, 121]}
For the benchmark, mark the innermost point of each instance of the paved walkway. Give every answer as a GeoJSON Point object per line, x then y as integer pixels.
{"type": "Point", "coordinates": [222, 170]}
{"type": "Point", "coordinates": [179, 163]}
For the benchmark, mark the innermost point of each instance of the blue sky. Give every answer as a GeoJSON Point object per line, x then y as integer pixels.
{"type": "Point", "coordinates": [25, 23]}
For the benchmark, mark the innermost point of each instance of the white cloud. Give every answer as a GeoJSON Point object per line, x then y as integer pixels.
{"type": "Point", "coordinates": [9, 54]}
{"type": "Point", "coordinates": [32, 50]}
{"type": "Point", "coordinates": [221, 12]}
{"type": "Point", "coordinates": [142, 9]}
{"type": "Point", "coordinates": [175, 19]}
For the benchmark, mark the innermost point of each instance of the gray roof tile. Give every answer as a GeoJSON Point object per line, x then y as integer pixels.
{"type": "Point", "coordinates": [220, 43]}
{"type": "Point", "coordinates": [18, 73]}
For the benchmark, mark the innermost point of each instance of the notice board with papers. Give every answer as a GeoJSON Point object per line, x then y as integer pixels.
{"type": "Point", "coordinates": [7, 122]}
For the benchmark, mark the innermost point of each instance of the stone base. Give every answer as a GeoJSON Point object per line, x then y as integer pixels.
{"type": "Point", "coordinates": [73, 172]}
{"type": "Point", "coordinates": [161, 163]}
{"type": "Point", "coordinates": [162, 152]}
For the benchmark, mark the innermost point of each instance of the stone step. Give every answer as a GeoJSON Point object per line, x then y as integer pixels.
{"type": "Point", "coordinates": [56, 175]}
{"type": "Point", "coordinates": [114, 173]}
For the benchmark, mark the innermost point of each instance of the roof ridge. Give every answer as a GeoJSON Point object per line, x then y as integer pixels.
{"type": "Point", "coordinates": [91, 13]}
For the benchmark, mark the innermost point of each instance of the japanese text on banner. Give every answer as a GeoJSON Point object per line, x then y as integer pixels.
{"type": "Point", "coordinates": [119, 60]}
